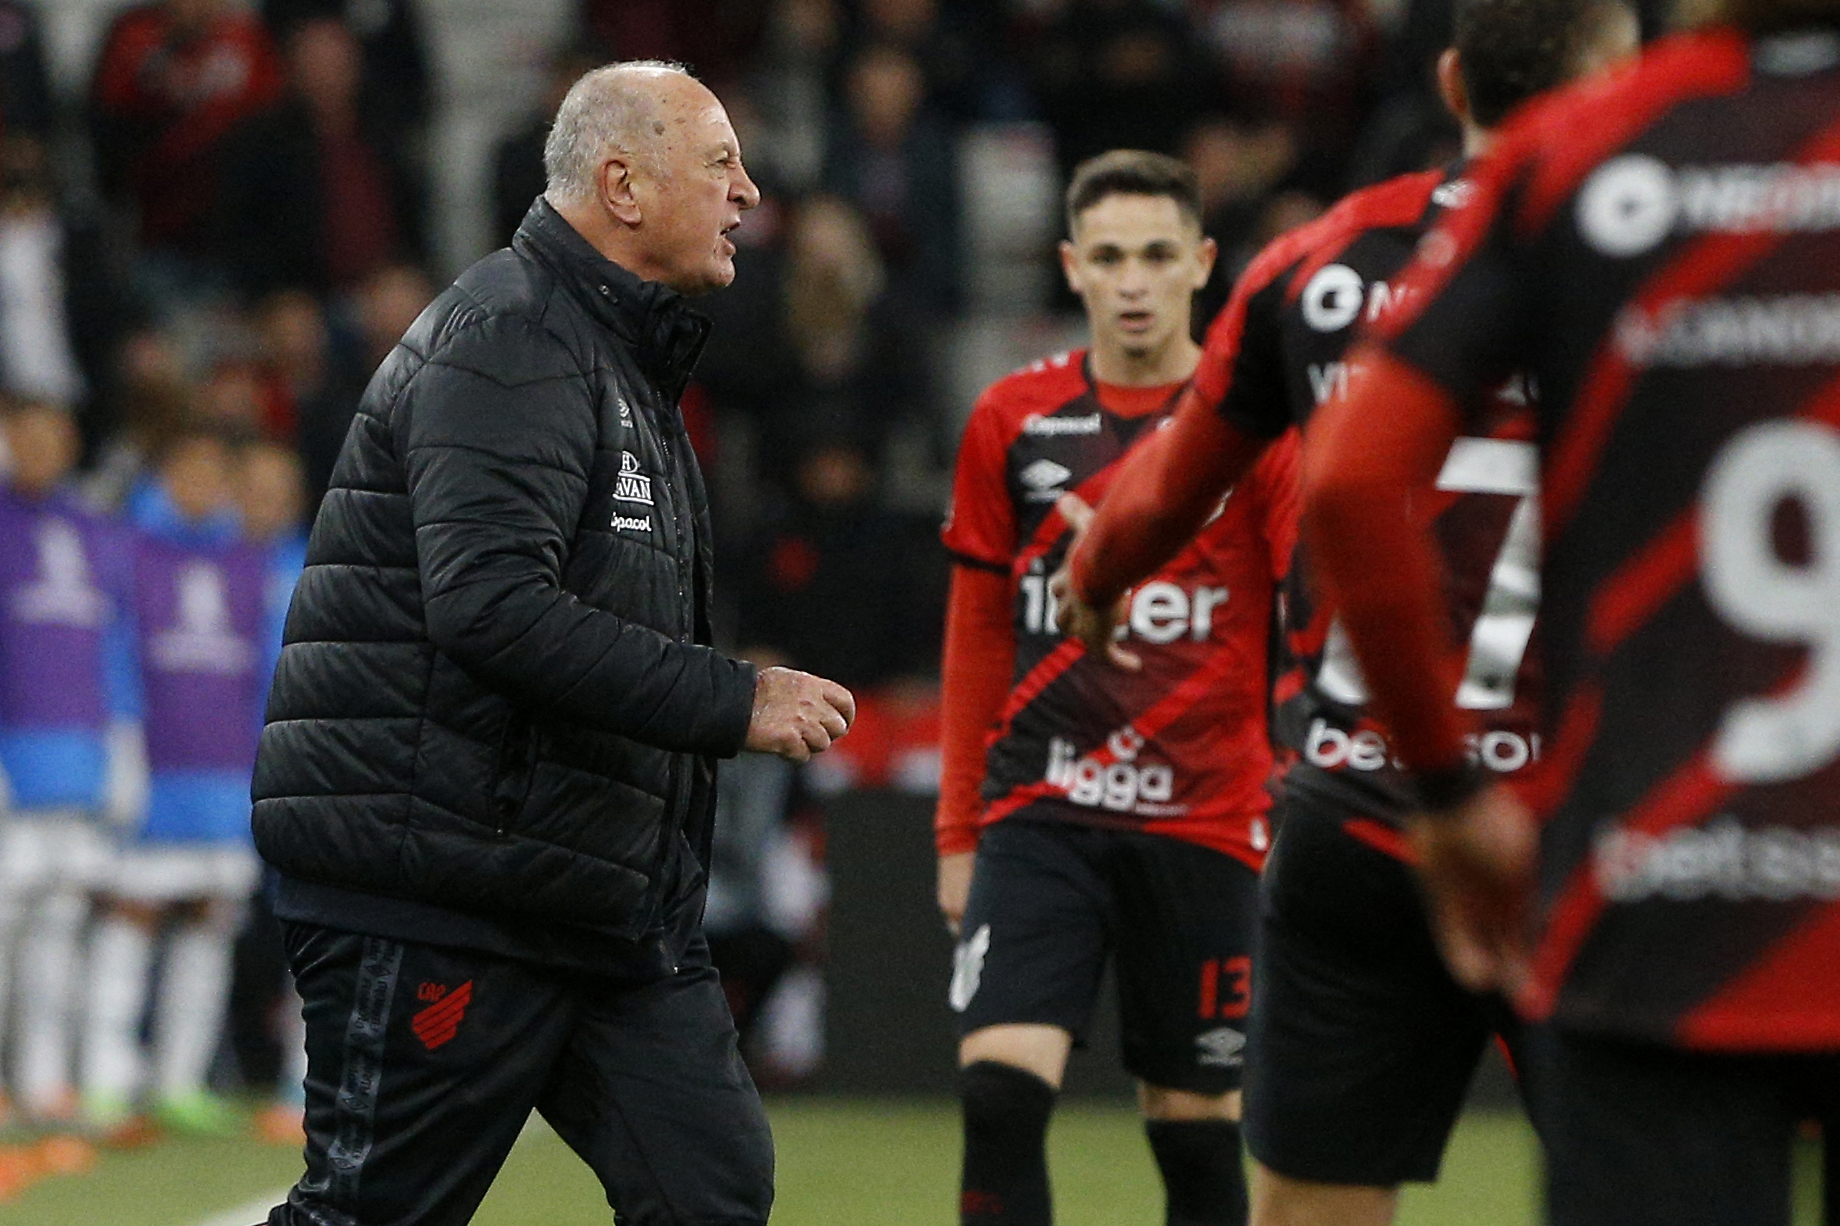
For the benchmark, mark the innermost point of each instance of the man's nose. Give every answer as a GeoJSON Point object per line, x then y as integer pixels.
{"type": "Point", "coordinates": [742, 191]}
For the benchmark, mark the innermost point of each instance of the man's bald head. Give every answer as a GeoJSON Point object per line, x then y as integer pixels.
{"type": "Point", "coordinates": [644, 164]}
{"type": "Point", "coordinates": [624, 108]}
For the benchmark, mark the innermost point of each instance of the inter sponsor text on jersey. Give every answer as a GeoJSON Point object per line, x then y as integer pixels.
{"type": "Point", "coordinates": [1276, 353]}
{"type": "Point", "coordinates": [1181, 747]}
{"type": "Point", "coordinates": [1664, 248]}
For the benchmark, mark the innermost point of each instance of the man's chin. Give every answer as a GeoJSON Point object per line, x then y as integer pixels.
{"type": "Point", "coordinates": [715, 276]}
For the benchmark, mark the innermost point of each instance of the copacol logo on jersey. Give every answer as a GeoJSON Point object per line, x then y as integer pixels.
{"type": "Point", "coordinates": [1047, 427]}
{"type": "Point", "coordinates": [1121, 786]}
{"type": "Point", "coordinates": [632, 485]}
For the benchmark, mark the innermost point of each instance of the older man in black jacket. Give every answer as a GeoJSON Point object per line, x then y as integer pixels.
{"type": "Point", "coordinates": [487, 779]}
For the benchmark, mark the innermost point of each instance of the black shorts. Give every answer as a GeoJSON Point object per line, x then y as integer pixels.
{"type": "Point", "coordinates": [1050, 901]}
{"type": "Point", "coordinates": [1360, 1045]}
{"type": "Point", "coordinates": [1639, 1135]}
{"type": "Point", "coordinates": [423, 1064]}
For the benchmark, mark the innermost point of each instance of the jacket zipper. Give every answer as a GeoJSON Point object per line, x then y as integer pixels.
{"type": "Point", "coordinates": [680, 798]}
{"type": "Point", "coordinates": [504, 806]}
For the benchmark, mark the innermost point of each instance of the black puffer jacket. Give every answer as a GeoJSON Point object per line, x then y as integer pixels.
{"type": "Point", "coordinates": [494, 695]}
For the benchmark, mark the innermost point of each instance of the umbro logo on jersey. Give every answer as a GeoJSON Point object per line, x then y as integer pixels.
{"type": "Point", "coordinates": [1043, 478]}
{"type": "Point", "coordinates": [1043, 473]}
{"type": "Point", "coordinates": [632, 485]}
{"type": "Point", "coordinates": [437, 1025]}
{"type": "Point", "coordinates": [1036, 424]}
{"type": "Point", "coordinates": [1222, 1047]}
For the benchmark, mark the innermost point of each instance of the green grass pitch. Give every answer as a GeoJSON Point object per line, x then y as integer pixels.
{"type": "Point", "coordinates": [846, 1162]}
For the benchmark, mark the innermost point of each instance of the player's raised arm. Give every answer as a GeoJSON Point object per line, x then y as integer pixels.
{"type": "Point", "coordinates": [1172, 483]}
{"type": "Point", "coordinates": [1168, 488]}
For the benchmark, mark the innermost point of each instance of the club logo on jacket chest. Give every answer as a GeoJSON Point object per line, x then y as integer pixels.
{"type": "Point", "coordinates": [632, 485]}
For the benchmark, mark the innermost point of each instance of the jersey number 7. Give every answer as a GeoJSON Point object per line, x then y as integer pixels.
{"type": "Point", "coordinates": [1498, 641]}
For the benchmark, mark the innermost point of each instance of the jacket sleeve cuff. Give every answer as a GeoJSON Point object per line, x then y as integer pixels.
{"type": "Point", "coordinates": [735, 710]}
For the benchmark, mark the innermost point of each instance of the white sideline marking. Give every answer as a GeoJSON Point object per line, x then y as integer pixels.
{"type": "Point", "coordinates": [250, 1214]}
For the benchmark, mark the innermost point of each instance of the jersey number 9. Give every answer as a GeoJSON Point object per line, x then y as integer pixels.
{"type": "Point", "coordinates": [1795, 731]}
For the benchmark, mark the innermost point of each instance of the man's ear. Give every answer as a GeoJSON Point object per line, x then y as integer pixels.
{"type": "Point", "coordinates": [617, 190]}
{"type": "Point", "coordinates": [1206, 253]}
{"type": "Point", "coordinates": [1450, 85]}
{"type": "Point", "coordinates": [1069, 268]}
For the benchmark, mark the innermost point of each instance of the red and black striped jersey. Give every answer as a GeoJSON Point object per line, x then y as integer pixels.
{"type": "Point", "coordinates": [1662, 250]}
{"type": "Point", "coordinates": [1181, 747]}
{"type": "Point", "coordinates": [1277, 353]}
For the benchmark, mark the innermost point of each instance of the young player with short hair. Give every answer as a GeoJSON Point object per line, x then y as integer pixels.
{"type": "Point", "coordinates": [1361, 1046]}
{"type": "Point", "coordinates": [1662, 251]}
{"type": "Point", "coordinates": [199, 621]}
{"type": "Point", "coordinates": [271, 504]}
{"type": "Point", "coordinates": [62, 607]}
{"type": "Point", "coordinates": [1088, 812]}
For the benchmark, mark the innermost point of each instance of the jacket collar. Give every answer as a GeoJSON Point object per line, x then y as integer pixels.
{"type": "Point", "coordinates": [666, 336]}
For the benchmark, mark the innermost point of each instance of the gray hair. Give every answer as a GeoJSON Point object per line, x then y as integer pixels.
{"type": "Point", "coordinates": [606, 109]}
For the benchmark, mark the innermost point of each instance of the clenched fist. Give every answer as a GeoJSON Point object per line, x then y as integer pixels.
{"type": "Point", "coordinates": [796, 714]}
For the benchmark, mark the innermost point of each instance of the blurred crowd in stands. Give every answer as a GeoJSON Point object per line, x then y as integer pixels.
{"type": "Point", "coordinates": [228, 228]}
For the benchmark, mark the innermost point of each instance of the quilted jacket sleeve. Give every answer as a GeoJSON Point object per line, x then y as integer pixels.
{"type": "Point", "coordinates": [498, 435]}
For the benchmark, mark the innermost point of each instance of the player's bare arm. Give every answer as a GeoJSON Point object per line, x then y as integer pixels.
{"type": "Point", "coordinates": [954, 886]}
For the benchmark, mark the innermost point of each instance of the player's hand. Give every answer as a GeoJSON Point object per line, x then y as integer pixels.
{"type": "Point", "coordinates": [1097, 628]}
{"type": "Point", "coordinates": [955, 886]}
{"type": "Point", "coordinates": [1477, 863]}
{"type": "Point", "coordinates": [796, 714]}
